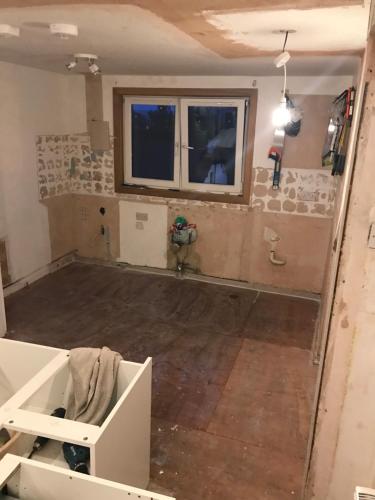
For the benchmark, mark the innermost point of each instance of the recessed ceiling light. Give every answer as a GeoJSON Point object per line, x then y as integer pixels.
{"type": "Point", "coordinates": [8, 31]}
{"type": "Point", "coordinates": [63, 31]}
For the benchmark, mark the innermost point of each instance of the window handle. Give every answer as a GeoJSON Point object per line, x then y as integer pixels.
{"type": "Point", "coordinates": [187, 147]}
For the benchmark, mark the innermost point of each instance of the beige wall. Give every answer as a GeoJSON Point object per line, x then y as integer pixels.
{"type": "Point", "coordinates": [231, 237]}
{"type": "Point", "coordinates": [344, 450]}
{"type": "Point", "coordinates": [33, 102]}
{"type": "Point", "coordinates": [231, 245]}
{"type": "Point", "coordinates": [3, 325]}
{"type": "Point", "coordinates": [269, 93]}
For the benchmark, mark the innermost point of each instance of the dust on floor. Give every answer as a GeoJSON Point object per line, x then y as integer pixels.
{"type": "Point", "coordinates": [232, 373]}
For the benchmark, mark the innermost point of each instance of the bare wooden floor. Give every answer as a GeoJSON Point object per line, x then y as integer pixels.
{"type": "Point", "coordinates": [232, 378]}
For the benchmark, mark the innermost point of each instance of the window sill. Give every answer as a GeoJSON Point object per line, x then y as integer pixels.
{"type": "Point", "coordinates": [242, 199]}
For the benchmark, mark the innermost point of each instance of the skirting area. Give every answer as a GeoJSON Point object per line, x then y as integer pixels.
{"type": "Point", "coordinates": [232, 374]}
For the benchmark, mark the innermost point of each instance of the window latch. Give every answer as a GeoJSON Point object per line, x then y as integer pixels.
{"type": "Point", "coordinates": [187, 147]}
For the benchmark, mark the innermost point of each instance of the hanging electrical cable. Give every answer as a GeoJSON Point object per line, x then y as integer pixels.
{"type": "Point", "coordinates": [281, 116]}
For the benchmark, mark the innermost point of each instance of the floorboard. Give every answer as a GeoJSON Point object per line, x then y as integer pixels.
{"type": "Point", "coordinates": [232, 373]}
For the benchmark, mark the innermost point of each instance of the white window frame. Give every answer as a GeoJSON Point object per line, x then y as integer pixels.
{"type": "Point", "coordinates": [186, 185]}
{"type": "Point", "coordinates": [128, 174]}
{"type": "Point", "coordinates": [181, 153]}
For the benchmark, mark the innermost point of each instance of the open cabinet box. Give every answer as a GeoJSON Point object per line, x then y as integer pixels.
{"type": "Point", "coordinates": [20, 362]}
{"type": "Point", "coordinates": [30, 480]}
{"type": "Point", "coordinates": [119, 448]}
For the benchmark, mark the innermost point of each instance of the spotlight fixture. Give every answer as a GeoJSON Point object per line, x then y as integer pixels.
{"type": "Point", "coordinates": [8, 31]}
{"type": "Point", "coordinates": [282, 116]}
{"type": "Point", "coordinates": [94, 68]}
{"type": "Point", "coordinates": [72, 64]}
{"type": "Point", "coordinates": [63, 31]}
{"type": "Point", "coordinates": [91, 60]}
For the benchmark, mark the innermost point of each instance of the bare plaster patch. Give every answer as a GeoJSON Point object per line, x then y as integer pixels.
{"type": "Point", "coordinates": [319, 208]}
{"type": "Point", "coordinates": [66, 164]}
{"type": "Point", "coordinates": [344, 322]}
{"type": "Point", "coordinates": [308, 192]}
{"type": "Point", "coordinates": [289, 206]}
{"type": "Point", "coordinates": [262, 175]}
{"type": "Point", "coordinates": [274, 205]}
{"type": "Point", "coordinates": [260, 190]}
{"type": "Point", "coordinates": [302, 208]}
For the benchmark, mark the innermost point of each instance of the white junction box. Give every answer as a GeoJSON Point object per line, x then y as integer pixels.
{"type": "Point", "coordinates": [35, 380]}
{"type": "Point", "coordinates": [25, 479]}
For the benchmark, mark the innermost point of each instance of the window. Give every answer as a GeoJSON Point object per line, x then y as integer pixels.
{"type": "Point", "coordinates": [188, 144]}
{"type": "Point", "coordinates": [212, 145]}
{"type": "Point", "coordinates": [152, 156]}
{"type": "Point", "coordinates": [191, 146]}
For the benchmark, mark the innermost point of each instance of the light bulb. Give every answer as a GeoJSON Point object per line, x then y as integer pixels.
{"type": "Point", "coordinates": [94, 68]}
{"type": "Point", "coordinates": [71, 65]}
{"type": "Point", "coordinates": [281, 116]}
{"type": "Point", "coordinates": [279, 132]}
{"type": "Point", "coordinates": [331, 126]}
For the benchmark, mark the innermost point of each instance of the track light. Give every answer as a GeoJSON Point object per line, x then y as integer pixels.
{"type": "Point", "coordinates": [72, 64]}
{"type": "Point", "coordinates": [94, 68]}
{"type": "Point", "coordinates": [88, 58]}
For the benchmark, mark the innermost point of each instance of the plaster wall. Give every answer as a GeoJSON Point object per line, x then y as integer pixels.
{"type": "Point", "coordinates": [231, 237]}
{"type": "Point", "coordinates": [3, 325]}
{"type": "Point", "coordinates": [269, 93]}
{"type": "Point", "coordinates": [34, 102]}
{"type": "Point", "coordinates": [344, 453]}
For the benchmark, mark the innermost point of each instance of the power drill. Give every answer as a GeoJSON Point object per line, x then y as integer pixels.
{"type": "Point", "coordinates": [77, 457]}
{"type": "Point", "coordinates": [40, 441]}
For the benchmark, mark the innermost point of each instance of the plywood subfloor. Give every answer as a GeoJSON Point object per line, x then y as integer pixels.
{"type": "Point", "coordinates": [232, 377]}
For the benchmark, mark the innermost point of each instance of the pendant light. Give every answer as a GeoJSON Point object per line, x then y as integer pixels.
{"type": "Point", "coordinates": [281, 115]}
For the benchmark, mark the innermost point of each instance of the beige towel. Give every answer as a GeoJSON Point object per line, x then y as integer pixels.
{"type": "Point", "coordinates": [94, 373]}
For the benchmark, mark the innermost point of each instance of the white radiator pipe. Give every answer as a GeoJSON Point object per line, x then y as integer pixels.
{"type": "Point", "coordinates": [274, 260]}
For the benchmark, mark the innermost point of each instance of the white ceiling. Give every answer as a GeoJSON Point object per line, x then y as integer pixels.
{"type": "Point", "coordinates": [335, 28]}
{"type": "Point", "coordinates": [130, 40]}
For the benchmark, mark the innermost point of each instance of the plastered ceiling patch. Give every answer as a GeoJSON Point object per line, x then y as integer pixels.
{"type": "Point", "coordinates": [325, 29]}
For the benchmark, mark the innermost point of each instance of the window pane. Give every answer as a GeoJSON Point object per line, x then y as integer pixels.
{"type": "Point", "coordinates": [153, 141]}
{"type": "Point", "coordinates": [212, 144]}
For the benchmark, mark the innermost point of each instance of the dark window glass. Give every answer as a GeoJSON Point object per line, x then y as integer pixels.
{"type": "Point", "coordinates": [212, 144]}
{"type": "Point", "coordinates": [153, 141]}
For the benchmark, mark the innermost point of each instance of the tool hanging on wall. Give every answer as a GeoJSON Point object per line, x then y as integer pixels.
{"type": "Point", "coordinates": [337, 138]}
{"type": "Point", "coordinates": [275, 154]}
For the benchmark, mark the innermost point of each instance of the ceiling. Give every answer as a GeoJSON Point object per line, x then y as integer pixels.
{"type": "Point", "coordinates": [213, 37]}
{"type": "Point", "coordinates": [315, 30]}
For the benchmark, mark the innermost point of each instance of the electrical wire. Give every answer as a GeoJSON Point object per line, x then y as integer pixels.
{"type": "Point", "coordinates": [286, 39]}
{"type": "Point", "coordinates": [284, 87]}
